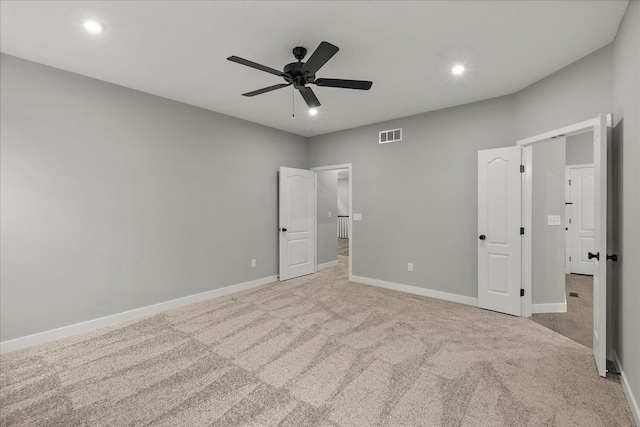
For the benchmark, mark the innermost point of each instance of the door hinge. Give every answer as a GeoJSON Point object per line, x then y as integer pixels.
{"type": "Point", "coordinates": [521, 292]}
{"type": "Point", "coordinates": [569, 220]}
{"type": "Point", "coordinates": [569, 259]}
{"type": "Point", "coordinates": [521, 230]}
{"type": "Point", "coordinates": [521, 168]}
{"type": "Point", "coordinates": [569, 182]}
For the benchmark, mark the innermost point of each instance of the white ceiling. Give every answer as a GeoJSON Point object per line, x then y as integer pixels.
{"type": "Point", "coordinates": [178, 50]}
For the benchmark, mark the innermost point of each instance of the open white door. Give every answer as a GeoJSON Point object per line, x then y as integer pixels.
{"type": "Point", "coordinates": [297, 215]}
{"type": "Point", "coordinates": [499, 221]}
{"type": "Point", "coordinates": [600, 243]}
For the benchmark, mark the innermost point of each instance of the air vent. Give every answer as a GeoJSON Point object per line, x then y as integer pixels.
{"type": "Point", "coordinates": [393, 135]}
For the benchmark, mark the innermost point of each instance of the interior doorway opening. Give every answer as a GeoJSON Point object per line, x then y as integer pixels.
{"type": "Point", "coordinates": [563, 235]}
{"type": "Point", "coordinates": [334, 229]}
{"type": "Point", "coordinates": [600, 127]}
{"type": "Point", "coordinates": [579, 184]}
{"type": "Point", "coordinates": [577, 322]}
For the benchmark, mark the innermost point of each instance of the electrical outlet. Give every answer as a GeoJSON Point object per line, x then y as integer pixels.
{"type": "Point", "coordinates": [410, 267]}
{"type": "Point", "coordinates": [357, 217]}
{"type": "Point", "coordinates": [253, 263]}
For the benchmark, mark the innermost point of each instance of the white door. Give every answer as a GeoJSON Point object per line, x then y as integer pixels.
{"type": "Point", "coordinates": [581, 222]}
{"type": "Point", "coordinates": [599, 255]}
{"type": "Point", "coordinates": [499, 221]}
{"type": "Point", "coordinates": [297, 216]}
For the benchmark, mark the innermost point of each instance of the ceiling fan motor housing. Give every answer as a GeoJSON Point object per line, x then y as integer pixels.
{"type": "Point", "coordinates": [294, 74]}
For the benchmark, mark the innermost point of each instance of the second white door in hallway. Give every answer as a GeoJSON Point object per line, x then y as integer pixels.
{"type": "Point", "coordinates": [581, 222]}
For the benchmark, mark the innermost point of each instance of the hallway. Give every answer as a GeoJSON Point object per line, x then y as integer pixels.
{"type": "Point", "coordinates": [577, 322]}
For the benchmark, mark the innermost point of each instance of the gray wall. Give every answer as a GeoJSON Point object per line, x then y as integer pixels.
{"type": "Point", "coordinates": [580, 149]}
{"type": "Point", "coordinates": [578, 92]}
{"type": "Point", "coordinates": [418, 197]}
{"type": "Point", "coordinates": [573, 94]}
{"type": "Point", "coordinates": [343, 196]}
{"type": "Point", "coordinates": [113, 199]}
{"type": "Point", "coordinates": [327, 226]}
{"type": "Point", "coordinates": [626, 212]}
{"type": "Point", "coordinates": [548, 241]}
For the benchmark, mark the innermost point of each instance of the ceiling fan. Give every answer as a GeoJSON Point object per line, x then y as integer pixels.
{"type": "Point", "coordinates": [299, 74]}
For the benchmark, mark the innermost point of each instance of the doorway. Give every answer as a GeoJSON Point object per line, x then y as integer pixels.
{"type": "Point", "coordinates": [576, 323]}
{"type": "Point", "coordinates": [599, 126]}
{"type": "Point", "coordinates": [334, 229]}
{"type": "Point", "coordinates": [572, 313]}
{"type": "Point", "coordinates": [506, 202]}
{"type": "Point", "coordinates": [343, 228]}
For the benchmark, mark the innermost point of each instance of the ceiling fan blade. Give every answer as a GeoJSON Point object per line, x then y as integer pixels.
{"type": "Point", "coordinates": [322, 54]}
{"type": "Point", "coordinates": [255, 65]}
{"type": "Point", "coordinates": [345, 84]}
{"type": "Point", "coordinates": [309, 97]}
{"type": "Point", "coordinates": [266, 89]}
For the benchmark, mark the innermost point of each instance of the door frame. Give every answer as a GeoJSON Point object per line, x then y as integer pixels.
{"type": "Point", "coordinates": [348, 166]}
{"type": "Point", "coordinates": [527, 197]}
{"type": "Point", "coordinates": [567, 192]}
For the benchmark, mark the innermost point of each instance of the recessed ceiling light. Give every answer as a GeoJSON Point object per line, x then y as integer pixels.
{"type": "Point", "coordinates": [458, 69]}
{"type": "Point", "coordinates": [93, 26]}
{"type": "Point", "coordinates": [313, 111]}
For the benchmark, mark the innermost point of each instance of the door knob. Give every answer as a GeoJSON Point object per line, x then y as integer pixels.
{"type": "Point", "coordinates": [283, 229]}
{"type": "Point", "coordinates": [613, 257]}
{"type": "Point", "coordinates": [596, 255]}
{"type": "Point", "coordinates": [482, 237]}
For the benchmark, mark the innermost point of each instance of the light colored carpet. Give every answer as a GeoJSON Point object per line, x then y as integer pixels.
{"type": "Point", "coordinates": [316, 350]}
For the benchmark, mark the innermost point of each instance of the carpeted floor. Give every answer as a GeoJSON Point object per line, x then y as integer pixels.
{"type": "Point", "coordinates": [316, 350]}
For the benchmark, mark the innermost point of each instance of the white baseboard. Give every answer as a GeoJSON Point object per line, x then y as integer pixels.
{"type": "Point", "coordinates": [66, 331]}
{"type": "Point", "coordinates": [327, 265]}
{"type": "Point", "coordinates": [560, 307]}
{"type": "Point", "coordinates": [416, 290]}
{"type": "Point", "coordinates": [633, 403]}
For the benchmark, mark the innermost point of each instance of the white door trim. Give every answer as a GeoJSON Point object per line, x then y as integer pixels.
{"type": "Point", "coordinates": [527, 198]}
{"type": "Point", "coordinates": [570, 130]}
{"type": "Point", "coordinates": [348, 166]}
{"type": "Point", "coordinates": [584, 165]}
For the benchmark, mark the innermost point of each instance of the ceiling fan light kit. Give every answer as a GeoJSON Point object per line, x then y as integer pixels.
{"type": "Point", "coordinates": [300, 74]}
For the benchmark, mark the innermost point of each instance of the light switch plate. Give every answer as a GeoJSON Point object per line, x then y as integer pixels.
{"type": "Point", "coordinates": [554, 220]}
{"type": "Point", "coordinates": [357, 217]}
{"type": "Point", "coordinates": [329, 214]}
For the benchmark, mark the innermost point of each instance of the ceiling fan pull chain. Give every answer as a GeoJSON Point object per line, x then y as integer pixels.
{"type": "Point", "coordinates": [293, 102]}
